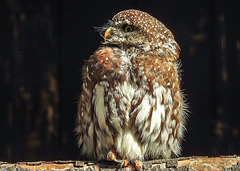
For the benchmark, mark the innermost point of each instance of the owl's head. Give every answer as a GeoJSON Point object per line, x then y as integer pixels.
{"type": "Point", "coordinates": [137, 28]}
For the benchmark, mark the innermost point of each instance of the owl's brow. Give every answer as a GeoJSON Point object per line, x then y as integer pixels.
{"type": "Point", "coordinates": [122, 22]}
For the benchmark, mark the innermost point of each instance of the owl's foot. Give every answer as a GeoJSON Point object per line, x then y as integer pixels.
{"type": "Point", "coordinates": [111, 156]}
{"type": "Point", "coordinates": [138, 165]}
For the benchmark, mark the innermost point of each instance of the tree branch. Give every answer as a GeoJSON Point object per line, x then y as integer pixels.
{"type": "Point", "coordinates": [180, 164]}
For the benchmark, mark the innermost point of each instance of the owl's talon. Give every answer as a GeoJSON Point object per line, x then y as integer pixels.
{"type": "Point", "coordinates": [111, 156]}
{"type": "Point", "coordinates": [124, 163]}
{"type": "Point", "coordinates": [138, 165]}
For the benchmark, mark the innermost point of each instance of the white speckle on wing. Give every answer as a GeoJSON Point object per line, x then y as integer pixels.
{"type": "Point", "coordinates": [99, 107]}
{"type": "Point", "coordinates": [158, 111]}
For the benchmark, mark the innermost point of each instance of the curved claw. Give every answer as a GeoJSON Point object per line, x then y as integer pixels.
{"type": "Point", "coordinates": [124, 163]}
{"type": "Point", "coordinates": [138, 165]}
{"type": "Point", "coordinates": [112, 156]}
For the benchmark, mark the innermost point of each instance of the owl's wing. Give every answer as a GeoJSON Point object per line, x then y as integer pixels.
{"type": "Point", "coordinates": [84, 122]}
{"type": "Point", "coordinates": [94, 134]}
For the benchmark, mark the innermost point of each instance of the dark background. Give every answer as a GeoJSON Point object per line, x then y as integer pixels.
{"type": "Point", "coordinates": [43, 46]}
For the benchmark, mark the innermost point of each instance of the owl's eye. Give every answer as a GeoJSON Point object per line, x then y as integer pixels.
{"type": "Point", "coordinates": [127, 28]}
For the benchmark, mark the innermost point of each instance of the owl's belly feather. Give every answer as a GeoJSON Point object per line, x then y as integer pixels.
{"type": "Point", "coordinates": [128, 146]}
{"type": "Point", "coordinates": [156, 138]}
{"type": "Point", "coordinates": [126, 142]}
{"type": "Point", "coordinates": [152, 116]}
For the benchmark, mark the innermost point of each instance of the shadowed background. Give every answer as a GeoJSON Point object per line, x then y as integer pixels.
{"type": "Point", "coordinates": [43, 46]}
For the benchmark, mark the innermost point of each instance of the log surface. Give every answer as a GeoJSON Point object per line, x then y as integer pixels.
{"type": "Point", "coordinates": [226, 163]}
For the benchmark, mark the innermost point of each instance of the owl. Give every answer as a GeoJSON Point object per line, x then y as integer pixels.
{"type": "Point", "coordinates": [131, 107]}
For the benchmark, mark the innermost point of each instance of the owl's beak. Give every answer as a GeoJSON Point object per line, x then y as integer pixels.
{"type": "Point", "coordinates": [107, 33]}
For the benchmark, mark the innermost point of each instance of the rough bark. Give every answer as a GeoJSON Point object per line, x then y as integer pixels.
{"type": "Point", "coordinates": [184, 163]}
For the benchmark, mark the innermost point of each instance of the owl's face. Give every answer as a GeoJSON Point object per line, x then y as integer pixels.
{"type": "Point", "coordinates": [139, 29]}
{"type": "Point", "coordinates": [124, 33]}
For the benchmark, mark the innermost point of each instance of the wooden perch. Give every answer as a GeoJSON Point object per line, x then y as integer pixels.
{"type": "Point", "coordinates": [226, 163]}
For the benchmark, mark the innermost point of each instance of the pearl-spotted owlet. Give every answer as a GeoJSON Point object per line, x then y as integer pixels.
{"type": "Point", "coordinates": [131, 107]}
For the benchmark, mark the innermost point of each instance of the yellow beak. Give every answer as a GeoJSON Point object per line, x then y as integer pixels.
{"type": "Point", "coordinates": [107, 33]}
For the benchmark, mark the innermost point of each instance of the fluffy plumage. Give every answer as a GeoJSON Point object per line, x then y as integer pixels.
{"type": "Point", "coordinates": [131, 102]}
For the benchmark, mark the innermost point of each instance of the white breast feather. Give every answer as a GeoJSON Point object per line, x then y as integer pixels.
{"type": "Point", "coordinates": [144, 108]}
{"type": "Point", "coordinates": [127, 144]}
{"type": "Point", "coordinates": [128, 89]}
